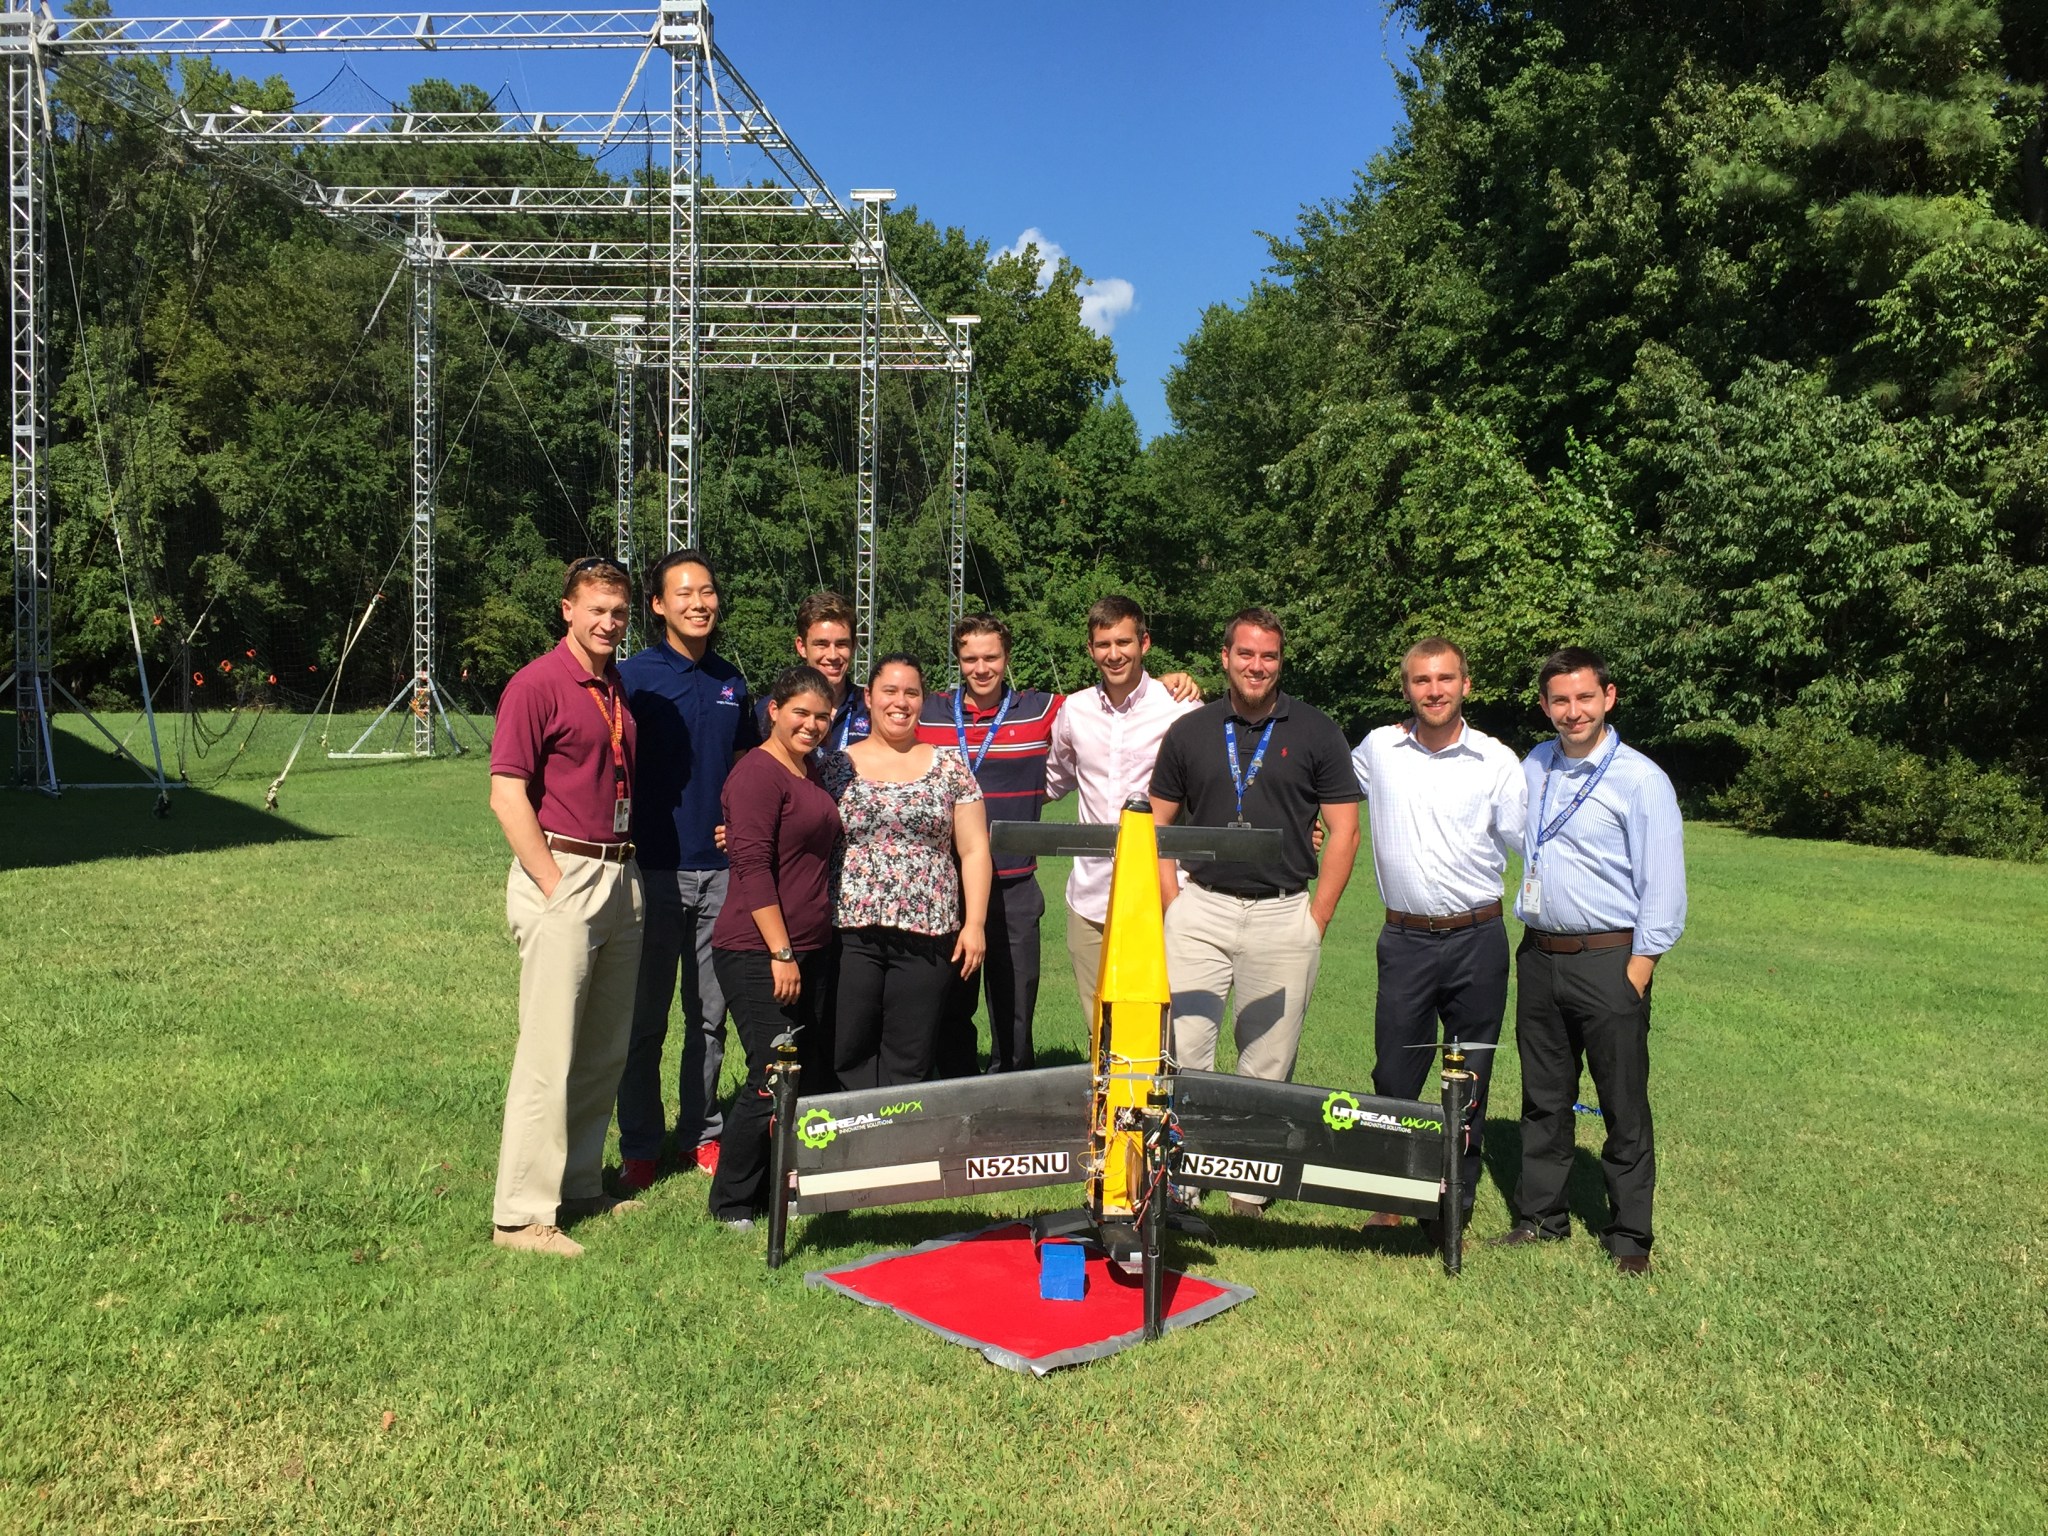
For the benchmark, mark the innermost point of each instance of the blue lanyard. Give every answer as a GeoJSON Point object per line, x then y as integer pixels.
{"type": "Point", "coordinates": [975, 759]}
{"type": "Point", "coordinates": [853, 707]}
{"type": "Point", "coordinates": [1243, 780]}
{"type": "Point", "coordinates": [1545, 832]}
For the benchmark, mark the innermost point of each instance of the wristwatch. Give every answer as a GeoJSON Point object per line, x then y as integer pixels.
{"type": "Point", "coordinates": [784, 953]}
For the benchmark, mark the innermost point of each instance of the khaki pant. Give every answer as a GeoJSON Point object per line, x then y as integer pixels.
{"type": "Point", "coordinates": [1265, 950]}
{"type": "Point", "coordinates": [1084, 948]}
{"type": "Point", "coordinates": [579, 959]}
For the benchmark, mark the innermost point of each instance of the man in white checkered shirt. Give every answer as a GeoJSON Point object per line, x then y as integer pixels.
{"type": "Point", "coordinates": [1447, 802]}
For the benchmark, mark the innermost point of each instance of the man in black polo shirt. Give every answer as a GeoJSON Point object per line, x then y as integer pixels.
{"type": "Point", "coordinates": [1255, 757]}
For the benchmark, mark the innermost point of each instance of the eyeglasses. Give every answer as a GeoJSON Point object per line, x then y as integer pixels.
{"type": "Point", "coordinates": [596, 563]}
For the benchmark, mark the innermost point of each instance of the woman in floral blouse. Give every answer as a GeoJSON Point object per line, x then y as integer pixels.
{"type": "Point", "coordinates": [904, 929]}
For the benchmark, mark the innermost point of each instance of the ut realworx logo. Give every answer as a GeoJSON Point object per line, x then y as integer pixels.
{"type": "Point", "coordinates": [816, 1127]}
{"type": "Point", "coordinates": [1341, 1113]}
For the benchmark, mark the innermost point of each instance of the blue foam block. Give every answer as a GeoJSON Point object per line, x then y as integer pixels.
{"type": "Point", "coordinates": [1062, 1272]}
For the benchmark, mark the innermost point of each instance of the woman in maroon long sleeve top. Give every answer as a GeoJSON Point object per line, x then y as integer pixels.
{"type": "Point", "coordinates": [771, 945]}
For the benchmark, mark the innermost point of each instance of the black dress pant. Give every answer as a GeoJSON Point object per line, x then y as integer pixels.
{"type": "Point", "coordinates": [1009, 975]}
{"type": "Point", "coordinates": [891, 994]}
{"type": "Point", "coordinates": [740, 1187]}
{"type": "Point", "coordinates": [1460, 977]}
{"type": "Point", "coordinates": [1568, 1009]}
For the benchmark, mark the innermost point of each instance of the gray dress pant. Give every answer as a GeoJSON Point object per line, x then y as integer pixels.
{"type": "Point", "coordinates": [682, 907]}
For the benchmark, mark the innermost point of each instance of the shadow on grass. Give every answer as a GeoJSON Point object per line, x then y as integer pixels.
{"type": "Point", "coordinates": [1585, 1190]}
{"type": "Point", "coordinates": [900, 1227]}
{"type": "Point", "coordinates": [905, 1228]}
{"type": "Point", "coordinates": [87, 824]}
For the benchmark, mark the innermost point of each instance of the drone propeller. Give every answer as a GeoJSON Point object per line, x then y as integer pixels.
{"type": "Point", "coordinates": [1456, 1045]}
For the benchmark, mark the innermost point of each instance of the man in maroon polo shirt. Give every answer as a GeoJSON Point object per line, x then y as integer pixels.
{"type": "Point", "coordinates": [561, 787]}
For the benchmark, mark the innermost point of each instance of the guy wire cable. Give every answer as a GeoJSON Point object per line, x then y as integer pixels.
{"type": "Point", "coordinates": [107, 479]}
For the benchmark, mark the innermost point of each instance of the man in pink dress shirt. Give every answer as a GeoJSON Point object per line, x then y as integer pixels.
{"type": "Point", "coordinates": [1104, 744]}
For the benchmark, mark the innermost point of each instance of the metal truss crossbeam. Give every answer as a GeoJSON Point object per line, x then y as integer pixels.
{"type": "Point", "coordinates": [628, 198]}
{"type": "Point", "coordinates": [392, 32]}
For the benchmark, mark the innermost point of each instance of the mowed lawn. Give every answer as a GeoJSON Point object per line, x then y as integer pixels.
{"type": "Point", "coordinates": [251, 1068]}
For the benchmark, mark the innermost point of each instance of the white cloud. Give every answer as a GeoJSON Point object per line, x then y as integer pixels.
{"type": "Point", "coordinates": [1104, 300]}
{"type": "Point", "coordinates": [1049, 254]}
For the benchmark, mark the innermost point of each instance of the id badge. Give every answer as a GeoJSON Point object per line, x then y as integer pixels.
{"type": "Point", "coordinates": [622, 815]}
{"type": "Point", "coordinates": [1532, 897]}
{"type": "Point", "coordinates": [1240, 824]}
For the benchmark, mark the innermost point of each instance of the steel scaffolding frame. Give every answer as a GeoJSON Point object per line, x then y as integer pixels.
{"type": "Point", "coordinates": [748, 277]}
{"type": "Point", "coordinates": [956, 548]}
{"type": "Point", "coordinates": [421, 693]}
{"type": "Point", "coordinates": [868, 256]}
{"type": "Point", "coordinates": [34, 759]}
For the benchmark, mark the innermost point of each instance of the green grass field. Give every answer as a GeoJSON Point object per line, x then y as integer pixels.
{"type": "Point", "coordinates": [251, 1068]}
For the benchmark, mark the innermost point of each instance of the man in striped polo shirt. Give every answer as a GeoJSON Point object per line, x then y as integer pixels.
{"type": "Point", "coordinates": [1004, 733]}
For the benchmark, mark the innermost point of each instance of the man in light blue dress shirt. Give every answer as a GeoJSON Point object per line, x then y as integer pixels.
{"type": "Point", "coordinates": [1602, 900]}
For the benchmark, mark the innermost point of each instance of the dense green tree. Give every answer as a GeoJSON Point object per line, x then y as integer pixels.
{"type": "Point", "coordinates": [1711, 335]}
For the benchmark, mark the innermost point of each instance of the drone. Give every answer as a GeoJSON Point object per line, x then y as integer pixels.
{"type": "Point", "coordinates": [1128, 1123]}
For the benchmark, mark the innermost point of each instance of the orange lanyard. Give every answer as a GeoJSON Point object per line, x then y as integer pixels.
{"type": "Point", "coordinates": [615, 725]}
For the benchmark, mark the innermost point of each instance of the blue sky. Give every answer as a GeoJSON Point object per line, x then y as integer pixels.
{"type": "Point", "coordinates": [1148, 142]}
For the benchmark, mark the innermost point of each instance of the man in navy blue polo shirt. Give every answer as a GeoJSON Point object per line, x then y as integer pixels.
{"type": "Point", "coordinates": [824, 640]}
{"type": "Point", "coordinates": [695, 720]}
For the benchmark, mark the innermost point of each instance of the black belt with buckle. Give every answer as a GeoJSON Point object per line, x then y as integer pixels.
{"type": "Point", "coordinates": [1579, 943]}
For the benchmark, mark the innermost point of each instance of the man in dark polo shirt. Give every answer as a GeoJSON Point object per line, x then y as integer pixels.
{"type": "Point", "coordinates": [561, 787]}
{"type": "Point", "coordinates": [1255, 757]}
{"type": "Point", "coordinates": [695, 721]}
{"type": "Point", "coordinates": [1004, 733]}
{"type": "Point", "coordinates": [824, 639]}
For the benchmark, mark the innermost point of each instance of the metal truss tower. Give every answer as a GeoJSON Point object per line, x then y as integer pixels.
{"type": "Point", "coordinates": [753, 275]}
{"type": "Point", "coordinates": [869, 257]}
{"type": "Point", "coordinates": [35, 765]}
{"type": "Point", "coordinates": [956, 546]}
{"type": "Point", "coordinates": [421, 693]}
{"type": "Point", "coordinates": [686, 34]}
{"type": "Point", "coordinates": [626, 365]}
{"type": "Point", "coordinates": [426, 470]}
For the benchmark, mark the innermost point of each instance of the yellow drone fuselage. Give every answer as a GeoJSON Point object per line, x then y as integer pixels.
{"type": "Point", "coordinates": [1132, 1015]}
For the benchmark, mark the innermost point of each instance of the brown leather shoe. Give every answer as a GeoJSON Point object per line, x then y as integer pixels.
{"type": "Point", "coordinates": [1252, 1209]}
{"type": "Point", "coordinates": [1384, 1219]}
{"type": "Point", "coordinates": [538, 1237]}
{"type": "Point", "coordinates": [1521, 1232]}
{"type": "Point", "coordinates": [1632, 1263]}
{"type": "Point", "coordinates": [594, 1205]}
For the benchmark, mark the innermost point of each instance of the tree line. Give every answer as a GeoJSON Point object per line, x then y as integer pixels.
{"type": "Point", "coordinates": [1712, 336]}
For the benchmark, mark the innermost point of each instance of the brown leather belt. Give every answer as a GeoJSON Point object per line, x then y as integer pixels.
{"type": "Point", "coordinates": [1578, 943]}
{"type": "Point", "coordinates": [611, 853]}
{"type": "Point", "coordinates": [1451, 924]}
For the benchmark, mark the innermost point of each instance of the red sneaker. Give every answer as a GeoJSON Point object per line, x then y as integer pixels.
{"type": "Point", "coordinates": [707, 1156]}
{"type": "Point", "coordinates": [636, 1174]}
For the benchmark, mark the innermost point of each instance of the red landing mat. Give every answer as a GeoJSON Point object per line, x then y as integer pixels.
{"type": "Point", "coordinates": [981, 1289]}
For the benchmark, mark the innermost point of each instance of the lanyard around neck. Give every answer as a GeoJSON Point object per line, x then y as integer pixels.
{"type": "Point", "coordinates": [976, 759]}
{"type": "Point", "coordinates": [1547, 831]}
{"type": "Point", "coordinates": [615, 728]}
{"type": "Point", "coordinates": [854, 707]}
{"type": "Point", "coordinates": [1243, 779]}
